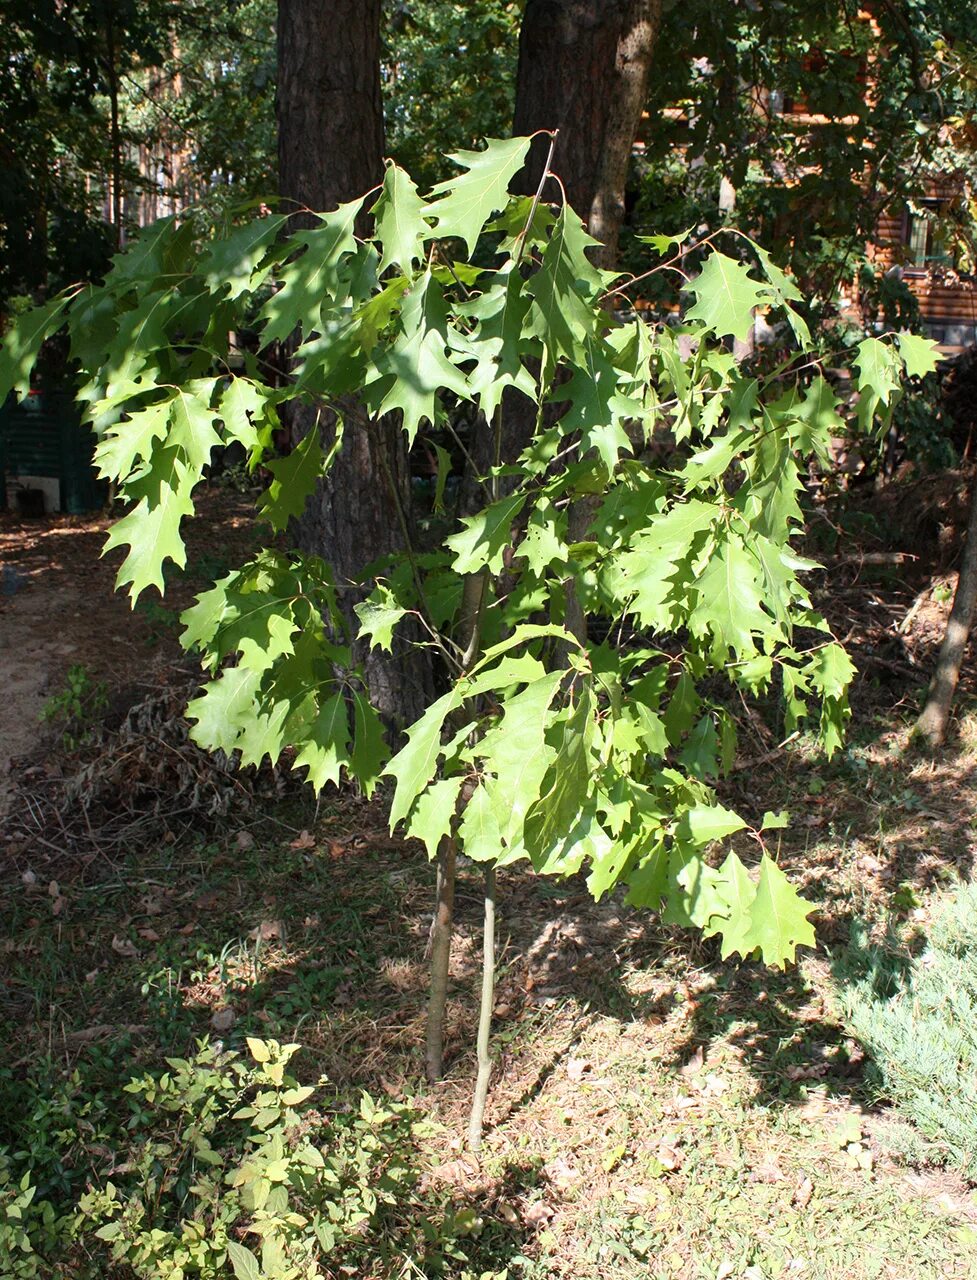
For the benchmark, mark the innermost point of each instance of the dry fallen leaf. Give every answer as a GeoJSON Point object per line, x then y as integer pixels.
{"type": "Point", "coordinates": [577, 1068]}
{"type": "Point", "coordinates": [726, 1269]}
{"type": "Point", "coordinates": [149, 934]}
{"type": "Point", "coordinates": [768, 1170]}
{"type": "Point", "coordinates": [669, 1155]}
{"type": "Point", "coordinates": [803, 1191]}
{"type": "Point", "coordinates": [244, 841]}
{"type": "Point", "coordinates": [124, 947]}
{"type": "Point", "coordinates": [304, 840]}
{"type": "Point", "coordinates": [538, 1214]}
{"type": "Point", "coordinates": [223, 1019]}
{"type": "Point", "coordinates": [268, 931]}
{"type": "Point", "coordinates": [694, 1063]}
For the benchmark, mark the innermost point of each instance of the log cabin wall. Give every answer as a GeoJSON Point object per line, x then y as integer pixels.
{"type": "Point", "coordinates": [947, 299]}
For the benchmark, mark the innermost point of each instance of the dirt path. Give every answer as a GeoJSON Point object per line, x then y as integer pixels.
{"type": "Point", "coordinates": [58, 609]}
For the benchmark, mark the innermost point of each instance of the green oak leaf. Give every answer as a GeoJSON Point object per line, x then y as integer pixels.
{"type": "Point", "coordinates": [778, 920]}
{"type": "Point", "coordinates": [726, 296]}
{"type": "Point", "coordinates": [294, 478]}
{"type": "Point", "coordinates": [702, 824]}
{"type": "Point", "coordinates": [401, 227]}
{"type": "Point", "coordinates": [415, 764]}
{"type": "Point", "coordinates": [325, 749]}
{"type": "Point", "coordinates": [434, 813]}
{"type": "Point", "coordinates": [151, 530]}
{"type": "Point", "coordinates": [370, 752]}
{"type": "Point", "coordinates": [228, 264]}
{"type": "Point", "coordinates": [379, 615]}
{"type": "Point", "coordinates": [311, 278]}
{"type": "Point", "coordinates": [468, 201]}
{"type": "Point", "coordinates": [919, 355]}
{"type": "Point", "coordinates": [564, 290]}
{"type": "Point", "coordinates": [415, 369]}
{"type": "Point", "coordinates": [486, 535]}
{"type": "Point", "coordinates": [478, 832]}
{"type": "Point", "coordinates": [22, 344]}
{"type": "Point", "coordinates": [727, 607]}
{"type": "Point", "coordinates": [248, 413]}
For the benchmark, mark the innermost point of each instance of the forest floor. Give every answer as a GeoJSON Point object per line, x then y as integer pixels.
{"type": "Point", "coordinates": [653, 1112]}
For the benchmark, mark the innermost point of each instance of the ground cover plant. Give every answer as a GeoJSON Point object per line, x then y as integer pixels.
{"type": "Point", "coordinates": [911, 1002]}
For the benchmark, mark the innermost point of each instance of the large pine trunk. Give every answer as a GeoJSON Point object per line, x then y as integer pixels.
{"type": "Point", "coordinates": [330, 150]}
{"type": "Point", "coordinates": [583, 69]}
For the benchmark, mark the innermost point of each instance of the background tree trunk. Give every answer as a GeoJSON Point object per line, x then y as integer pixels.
{"type": "Point", "coordinates": [583, 69]}
{"type": "Point", "coordinates": [330, 150]}
{"type": "Point", "coordinates": [935, 715]}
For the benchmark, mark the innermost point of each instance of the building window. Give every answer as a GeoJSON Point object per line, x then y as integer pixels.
{"type": "Point", "coordinates": [927, 236]}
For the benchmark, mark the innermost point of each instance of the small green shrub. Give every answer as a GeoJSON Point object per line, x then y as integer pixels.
{"type": "Point", "coordinates": [77, 706]}
{"type": "Point", "coordinates": [915, 1011]}
{"type": "Point", "coordinates": [224, 1166]}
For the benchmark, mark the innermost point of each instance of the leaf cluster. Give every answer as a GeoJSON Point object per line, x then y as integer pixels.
{"type": "Point", "coordinates": [679, 474]}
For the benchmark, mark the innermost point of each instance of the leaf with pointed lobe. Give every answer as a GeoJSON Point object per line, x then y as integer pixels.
{"type": "Point", "coordinates": [325, 751]}
{"type": "Point", "coordinates": [294, 478]}
{"type": "Point", "coordinates": [564, 290]}
{"type": "Point", "coordinates": [434, 813]}
{"type": "Point", "coordinates": [415, 369]}
{"type": "Point", "coordinates": [400, 225]}
{"type": "Point", "coordinates": [777, 922]}
{"type": "Point", "coordinates": [465, 203]}
{"type": "Point", "coordinates": [920, 355]}
{"type": "Point", "coordinates": [22, 343]}
{"type": "Point", "coordinates": [313, 277]}
{"type": "Point", "coordinates": [485, 537]}
{"type": "Point", "coordinates": [726, 296]}
{"type": "Point", "coordinates": [727, 610]}
{"type": "Point", "coordinates": [228, 264]}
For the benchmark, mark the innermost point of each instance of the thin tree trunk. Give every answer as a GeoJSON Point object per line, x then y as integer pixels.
{"type": "Point", "coordinates": [115, 139]}
{"type": "Point", "coordinates": [935, 715]}
{"type": "Point", "coordinates": [441, 931]}
{"type": "Point", "coordinates": [477, 1119]}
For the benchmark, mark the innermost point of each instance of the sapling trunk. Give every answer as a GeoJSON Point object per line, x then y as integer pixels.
{"type": "Point", "coordinates": [484, 1016]}
{"type": "Point", "coordinates": [933, 719]}
{"type": "Point", "coordinates": [441, 930]}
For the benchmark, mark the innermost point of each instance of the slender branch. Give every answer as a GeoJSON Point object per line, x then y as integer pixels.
{"type": "Point", "coordinates": [414, 567]}
{"type": "Point", "coordinates": [520, 244]}
{"type": "Point", "coordinates": [440, 948]}
{"type": "Point", "coordinates": [484, 1016]}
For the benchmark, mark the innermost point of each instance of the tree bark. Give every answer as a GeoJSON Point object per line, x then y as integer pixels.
{"type": "Point", "coordinates": [330, 150]}
{"type": "Point", "coordinates": [933, 719]}
{"type": "Point", "coordinates": [583, 69]}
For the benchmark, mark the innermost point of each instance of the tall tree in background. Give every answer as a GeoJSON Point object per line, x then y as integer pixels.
{"type": "Point", "coordinates": [330, 150]}
{"type": "Point", "coordinates": [583, 69]}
